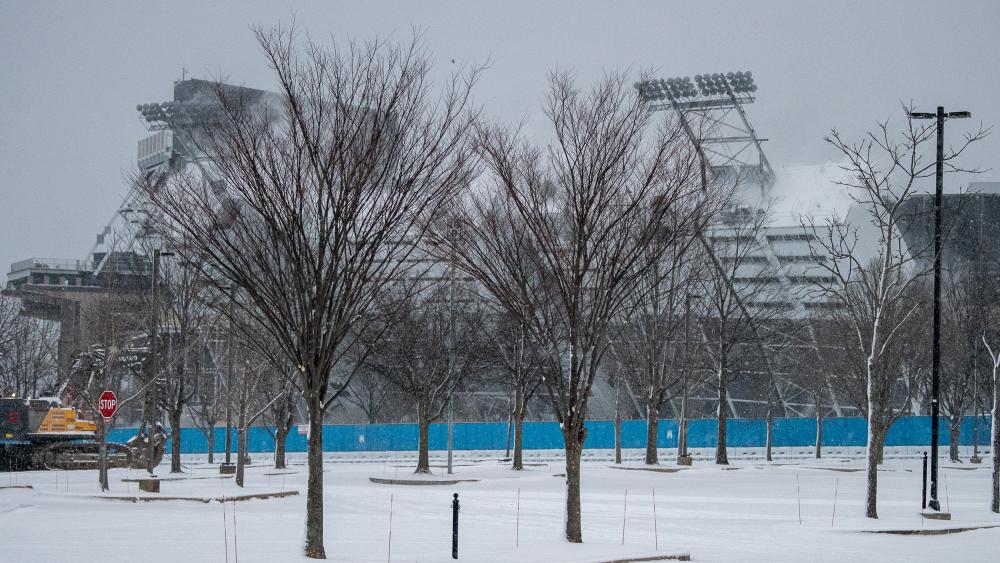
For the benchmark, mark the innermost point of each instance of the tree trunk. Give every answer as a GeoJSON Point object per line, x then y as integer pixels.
{"type": "Point", "coordinates": [280, 437]}
{"type": "Point", "coordinates": [880, 449]}
{"type": "Point", "coordinates": [995, 443]}
{"type": "Point", "coordinates": [618, 432]}
{"type": "Point", "coordinates": [241, 452]}
{"type": "Point", "coordinates": [652, 432]}
{"type": "Point", "coordinates": [819, 428]}
{"type": "Point", "coordinates": [682, 431]}
{"type": "Point", "coordinates": [516, 417]}
{"type": "Point", "coordinates": [769, 440]}
{"type": "Point", "coordinates": [721, 457]}
{"type": "Point", "coordinates": [423, 458]}
{"type": "Point", "coordinates": [573, 438]}
{"type": "Point", "coordinates": [175, 440]}
{"type": "Point", "coordinates": [510, 429]}
{"type": "Point", "coordinates": [955, 432]}
{"type": "Point", "coordinates": [873, 459]}
{"type": "Point", "coordinates": [210, 436]}
{"type": "Point", "coordinates": [102, 454]}
{"type": "Point", "coordinates": [314, 489]}
{"type": "Point", "coordinates": [519, 438]}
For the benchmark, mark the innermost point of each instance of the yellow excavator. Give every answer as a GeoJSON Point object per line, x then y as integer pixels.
{"type": "Point", "coordinates": [44, 434]}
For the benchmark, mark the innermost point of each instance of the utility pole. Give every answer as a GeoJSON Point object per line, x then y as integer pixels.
{"type": "Point", "coordinates": [940, 116]}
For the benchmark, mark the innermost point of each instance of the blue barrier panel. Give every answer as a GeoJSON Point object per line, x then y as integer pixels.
{"type": "Point", "coordinates": [788, 432]}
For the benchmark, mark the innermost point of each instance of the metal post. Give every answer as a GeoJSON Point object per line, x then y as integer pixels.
{"type": "Point", "coordinates": [936, 348]}
{"type": "Point", "coordinates": [923, 488]}
{"type": "Point", "coordinates": [451, 359]}
{"type": "Point", "coordinates": [975, 405]}
{"type": "Point", "coordinates": [618, 420]}
{"type": "Point", "coordinates": [229, 382]}
{"type": "Point", "coordinates": [450, 432]}
{"type": "Point", "coordinates": [683, 457]}
{"type": "Point", "coordinates": [454, 527]}
{"type": "Point", "coordinates": [153, 357]}
{"type": "Point", "coordinates": [940, 116]}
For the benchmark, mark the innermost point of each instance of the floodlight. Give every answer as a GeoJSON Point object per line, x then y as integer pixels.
{"type": "Point", "coordinates": [705, 84]}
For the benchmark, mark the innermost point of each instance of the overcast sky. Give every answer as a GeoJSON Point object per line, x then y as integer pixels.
{"type": "Point", "coordinates": [73, 72]}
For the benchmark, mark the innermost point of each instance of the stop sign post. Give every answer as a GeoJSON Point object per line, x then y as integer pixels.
{"type": "Point", "coordinates": [108, 404]}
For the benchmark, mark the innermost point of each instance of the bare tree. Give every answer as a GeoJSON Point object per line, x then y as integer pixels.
{"type": "Point", "coordinates": [275, 390]}
{"type": "Point", "coordinates": [319, 199]}
{"type": "Point", "coordinates": [281, 414]}
{"type": "Point", "coordinates": [434, 342]}
{"type": "Point", "coordinates": [558, 237]}
{"type": "Point", "coordinates": [10, 309]}
{"type": "Point", "coordinates": [27, 352]}
{"type": "Point", "coordinates": [872, 269]}
{"type": "Point", "coordinates": [962, 324]}
{"type": "Point", "coordinates": [185, 310]}
{"type": "Point", "coordinates": [737, 306]}
{"type": "Point", "coordinates": [117, 351]}
{"type": "Point", "coordinates": [995, 426]}
{"type": "Point", "coordinates": [649, 343]}
{"type": "Point", "coordinates": [815, 361]}
{"type": "Point", "coordinates": [257, 387]}
{"type": "Point", "coordinates": [207, 407]}
{"type": "Point", "coordinates": [522, 365]}
{"type": "Point", "coordinates": [371, 393]}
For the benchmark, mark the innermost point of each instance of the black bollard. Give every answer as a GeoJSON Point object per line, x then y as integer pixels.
{"type": "Point", "coordinates": [454, 527]}
{"type": "Point", "coordinates": [923, 490]}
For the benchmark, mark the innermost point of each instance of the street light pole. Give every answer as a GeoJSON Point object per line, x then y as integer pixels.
{"type": "Point", "coordinates": [451, 355]}
{"type": "Point", "coordinates": [154, 354]}
{"type": "Point", "coordinates": [940, 116]}
{"type": "Point", "coordinates": [683, 458]}
{"type": "Point", "coordinates": [153, 359]}
{"type": "Point", "coordinates": [229, 382]}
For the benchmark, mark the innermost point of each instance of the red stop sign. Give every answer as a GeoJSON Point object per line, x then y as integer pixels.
{"type": "Point", "coordinates": [108, 404]}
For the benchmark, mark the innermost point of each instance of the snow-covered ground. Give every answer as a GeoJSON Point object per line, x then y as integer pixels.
{"type": "Point", "coordinates": [747, 512]}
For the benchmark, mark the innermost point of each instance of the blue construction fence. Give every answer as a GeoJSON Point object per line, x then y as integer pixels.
{"type": "Point", "coordinates": [741, 433]}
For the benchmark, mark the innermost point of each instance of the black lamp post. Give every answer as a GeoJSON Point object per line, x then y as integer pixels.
{"type": "Point", "coordinates": [154, 399]}
{"type": "Point", "coordinates": [941, 115]}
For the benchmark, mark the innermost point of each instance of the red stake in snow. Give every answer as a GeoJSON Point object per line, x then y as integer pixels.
{"type": "Point", "coordinates": [108, 404]}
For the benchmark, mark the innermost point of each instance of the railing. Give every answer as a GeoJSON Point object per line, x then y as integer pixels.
{"type": "Point", "coordinates": [50, 264]}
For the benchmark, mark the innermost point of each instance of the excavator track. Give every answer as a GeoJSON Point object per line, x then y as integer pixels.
{"type": "Point", "coordinates": [80, 455]}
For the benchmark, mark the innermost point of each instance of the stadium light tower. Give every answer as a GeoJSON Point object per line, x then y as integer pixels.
{"type": "Point", "coordinates": [940, 116]}
{"type": "Point", "coordinates": [713, 102]}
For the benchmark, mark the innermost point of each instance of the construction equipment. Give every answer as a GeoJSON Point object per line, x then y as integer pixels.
{"type": "Point", "coordinates": [43, 434]}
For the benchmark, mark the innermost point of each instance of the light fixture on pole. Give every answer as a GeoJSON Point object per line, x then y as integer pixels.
{"type": "Point", "coordinates": [710, 109]}
{"type": "Point", "coordinates": [940, 116]}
